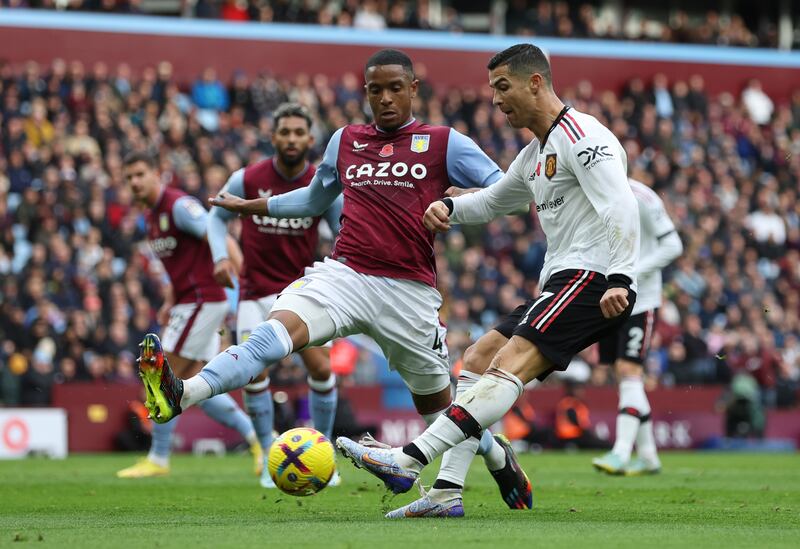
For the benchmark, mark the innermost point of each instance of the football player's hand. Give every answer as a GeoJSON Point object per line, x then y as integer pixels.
{"type": "Point", "coordinates": [614, 302]}
{"type": "Point", "coordinates": [437, 218]}
{"type": "Point", "coordinates": [453, 192]}
{"type": "Point", "coordinates": [224, 273]}
{"type": "Point", "coordinates": [228, 201]}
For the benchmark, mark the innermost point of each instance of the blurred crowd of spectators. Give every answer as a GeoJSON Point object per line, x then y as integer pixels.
{"type": "Point", "coordinates": [542, 18]}
{"type": "Point", "coordinates": [78, 288]}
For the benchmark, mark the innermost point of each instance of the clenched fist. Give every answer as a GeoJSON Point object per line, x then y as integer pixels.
{"type": "Point", "coordinates": [437, 217]}
{"type": "Point", "coordinates": [614, 302]}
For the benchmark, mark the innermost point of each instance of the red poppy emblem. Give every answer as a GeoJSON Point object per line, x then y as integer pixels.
{"type": "Point", "coordinates": [387, 150]}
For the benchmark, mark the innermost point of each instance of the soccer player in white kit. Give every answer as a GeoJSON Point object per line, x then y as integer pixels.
{"type": "Point", "coordinates": [574, 171]}
{"type": "Point", "coordinates": [627, 349]}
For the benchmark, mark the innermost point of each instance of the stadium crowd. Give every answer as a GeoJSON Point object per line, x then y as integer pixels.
{"type": "Point", "coordinates": [542, 18]}
{"type": "Point", "coordinates": [79, 288]}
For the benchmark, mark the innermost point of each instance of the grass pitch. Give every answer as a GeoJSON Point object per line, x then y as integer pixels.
{"type": "Point", "coordinates": [701, 499]}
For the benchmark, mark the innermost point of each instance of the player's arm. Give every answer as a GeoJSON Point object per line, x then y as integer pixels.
{"type": "Point", "coordinates": [501, 198]}
{"type": "Point", "coordinates": [669, 246]}
{"type": "Point", "coordinates": [225, 252]}
{"type": "Point", "coordinates": [312, 200]}
{"type": "Point", "coordinates": [606, 186]}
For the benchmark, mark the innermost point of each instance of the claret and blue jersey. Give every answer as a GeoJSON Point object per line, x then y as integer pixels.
{"type": "Point", "coordinates": [388, 179]}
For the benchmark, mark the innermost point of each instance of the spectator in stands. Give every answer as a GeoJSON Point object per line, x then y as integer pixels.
{"type": "Point", "coordinates": [368, 18]}
{"type": "Point", "coordinates": [758, 104]}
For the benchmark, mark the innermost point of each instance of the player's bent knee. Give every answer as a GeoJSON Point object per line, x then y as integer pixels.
{"type": "Point", "coordinates": [522, 359]}
{"type": "Point", "coordinates": [479, 355]}
{"type": "Point", "coordinates": [627, 368]}
{"type": "Point", "coordinates": [307, 322]}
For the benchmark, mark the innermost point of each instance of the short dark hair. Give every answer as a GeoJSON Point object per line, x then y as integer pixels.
{"type": "Point", "coordinates": [287, 110]}
{"type": "Point", "coordinates": [391, 57]}
{"type": "Point", "coordinates": [523, 60]}
{"type": "Point", "coordinates": [138, 156]}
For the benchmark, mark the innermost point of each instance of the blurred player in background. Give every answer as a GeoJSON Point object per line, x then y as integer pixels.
{"type": "Point", "coordinates": [276, 251]}
{"type": "Point", "coordinates": [195, 307]}
{"type": "Point", "coordinates": [628, 348]}
{"type": "Point", "coordinates": [575, 171]}
{"type": "Point", "coordinates": [381, 280]}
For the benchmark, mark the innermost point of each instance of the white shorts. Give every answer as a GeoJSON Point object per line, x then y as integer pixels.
{"type": "Point", "coordinates": [402, 316]}
{"type": "Point", "coordinates": [250, 314]}
{"type": "Point", "coordinates": [193, 330]}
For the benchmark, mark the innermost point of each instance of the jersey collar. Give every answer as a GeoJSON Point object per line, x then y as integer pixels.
{"type": "Point", "coordinates": [407, 124]}
{"type": "Point", "coordinates": [555, 123]}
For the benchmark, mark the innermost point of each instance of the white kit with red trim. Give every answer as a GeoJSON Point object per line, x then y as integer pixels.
{"type": "Point", "coordinates": [577, 181]}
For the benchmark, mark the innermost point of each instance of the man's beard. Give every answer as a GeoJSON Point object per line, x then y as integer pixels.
{"type": "Point", "coordinates": [291, 162]}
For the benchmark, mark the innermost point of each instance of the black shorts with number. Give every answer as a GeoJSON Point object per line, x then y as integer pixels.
{"type": "Point", "coordinates": [631, 342]}
{"type": "Point", "coordinates": [566, 317]}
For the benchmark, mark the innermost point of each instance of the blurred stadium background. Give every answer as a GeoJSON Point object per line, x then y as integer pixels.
{"type": "Point", "coordinates": [704, 95]}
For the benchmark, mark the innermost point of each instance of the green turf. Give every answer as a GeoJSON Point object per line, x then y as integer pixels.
{"type": "Point", "coordinates": [711, 500]}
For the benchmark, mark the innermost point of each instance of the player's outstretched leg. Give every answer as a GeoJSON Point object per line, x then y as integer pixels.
{"type": "Point", "coordinates": [164, 388]}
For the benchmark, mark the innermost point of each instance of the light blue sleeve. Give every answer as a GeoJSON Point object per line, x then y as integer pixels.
{"type": "Point", "coordinates": [467, 165]}
{"type": "Point", "coordinates": [190, 216]}
{"type": "Point", "coordinates": [320, 194]}
{"type": "Point", "coordinates": [333, 214]}
{"type": "Point", "coordinates": [217, 222]}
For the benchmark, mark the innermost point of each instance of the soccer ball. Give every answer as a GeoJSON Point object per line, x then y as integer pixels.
{"type": "Point", "coordinates": [301, 461]}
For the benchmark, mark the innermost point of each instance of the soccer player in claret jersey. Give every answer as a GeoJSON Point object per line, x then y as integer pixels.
{"type": "Point", "coordinates": [628, 348]}
{"type": "Point", "coordinates": [276, 251]}
{"type": "Point", "coordinates": [381, 279]}
{"type": "Point", "coordinates": [574, 170]}
{"type": "Point", "coordinates": [195, 308]}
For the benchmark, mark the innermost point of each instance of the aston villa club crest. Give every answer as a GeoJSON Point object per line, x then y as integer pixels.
{"type": "Point", "coordinates": [550, 166]}
{"type": "Point", "coordinates": [386, 151]}
{"type": "Point", "coordinates": [163, 222]}
{"type": "Point", "coordinates": [420, 143]}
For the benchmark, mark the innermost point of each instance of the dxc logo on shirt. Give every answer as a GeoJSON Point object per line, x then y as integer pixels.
{"type": "Point", "coordinates": [386, 169]}
{"type": "Point", "coordinates": [592, 155]}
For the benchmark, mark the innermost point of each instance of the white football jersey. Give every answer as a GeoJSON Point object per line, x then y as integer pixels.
{"type": "Point", "coordinates": [653, 254]}
{"type": "Point", "coordinates": [578, 181]}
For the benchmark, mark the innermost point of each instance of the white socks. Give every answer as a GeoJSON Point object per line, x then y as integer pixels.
{"type": "Point", "coordinates": [457, 460]}
{"type": "Point", "coordinates": [195, 389]}
{"type": "Point", "coordinates": [646, 444]}
{"type": "Point", "coordinates": [633, 406]}
{"type": "Point", "coordinates": [485, 403]}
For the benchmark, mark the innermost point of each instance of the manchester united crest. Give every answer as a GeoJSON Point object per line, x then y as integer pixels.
{"type": "Point", "coordinates": [550, 166]}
